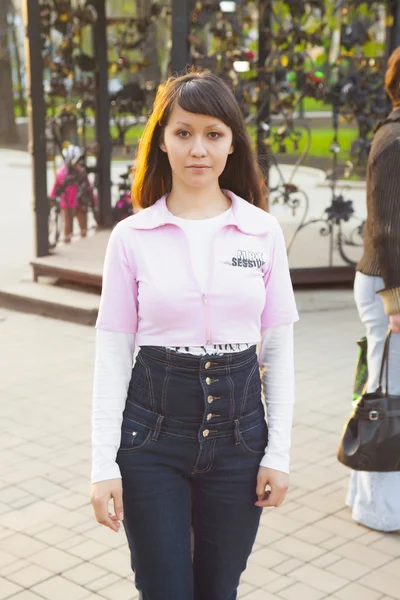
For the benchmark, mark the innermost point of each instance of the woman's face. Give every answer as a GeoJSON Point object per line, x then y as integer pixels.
{"type": "Point", "coordinates": [197, 146]}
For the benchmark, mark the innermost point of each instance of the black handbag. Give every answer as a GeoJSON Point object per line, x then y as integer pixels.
{"type": "Point", "coordinates": [371, 437]}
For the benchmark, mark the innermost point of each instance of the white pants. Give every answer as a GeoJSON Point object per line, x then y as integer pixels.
{"type": "Point", "coordinates": [375, 497]}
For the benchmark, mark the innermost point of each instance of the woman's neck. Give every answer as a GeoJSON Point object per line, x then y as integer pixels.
{"type": "Point", "coordinates": [197, 203]}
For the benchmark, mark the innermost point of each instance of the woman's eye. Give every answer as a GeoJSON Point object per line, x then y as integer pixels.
{"type": "Point", "coordinates": [214, 135]}
{"type": "Point", "coordinates": [183, 134]}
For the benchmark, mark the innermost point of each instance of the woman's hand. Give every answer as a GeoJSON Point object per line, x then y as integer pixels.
{"type": "Point", "coordinates": [100, 494]}
{"type": "Point", "coordinates": [278, 483]}
{"type": "Point", "coordinates": [394, 321]}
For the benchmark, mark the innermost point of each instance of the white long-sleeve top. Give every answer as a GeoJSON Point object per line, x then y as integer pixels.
{"type": "Point", "coordinates": [114, 361]}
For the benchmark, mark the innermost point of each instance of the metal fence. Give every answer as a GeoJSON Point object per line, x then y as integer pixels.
{"type": "Point", "coordinates": [306, 74]}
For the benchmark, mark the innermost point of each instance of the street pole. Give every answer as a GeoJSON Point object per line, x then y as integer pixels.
{"type": "Point", "coordinates": [37, 122]}
{"type": "Point", "coordinates": [180, 52]}
{"type": "Point", "coordinates": [263, 105]}
{"type": "Point", "coordinates": [102, 114]}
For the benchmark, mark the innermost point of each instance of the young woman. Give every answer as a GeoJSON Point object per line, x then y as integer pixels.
{"type": "Point", "coordinates": [374, 497]}
{"type": "Point", "coordinates": [196, 280]}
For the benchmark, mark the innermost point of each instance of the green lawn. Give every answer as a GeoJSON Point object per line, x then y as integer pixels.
{"type": "Point", "coordinates": [321, 140]}
{"type": "Point", "coordinates": [311, 104]}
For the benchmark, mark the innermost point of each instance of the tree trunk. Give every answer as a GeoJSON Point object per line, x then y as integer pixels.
{"type": "Point", "coordinates": [8, 129]}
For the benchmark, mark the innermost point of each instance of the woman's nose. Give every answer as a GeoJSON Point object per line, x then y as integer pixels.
{"type": "Point", "coordinates": [198, 148]}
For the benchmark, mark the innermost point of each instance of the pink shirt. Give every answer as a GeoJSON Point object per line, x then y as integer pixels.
{"type": "Point", "coordinates": [69, 196]}
{"type": "Point", "coordinates": [150, 289]}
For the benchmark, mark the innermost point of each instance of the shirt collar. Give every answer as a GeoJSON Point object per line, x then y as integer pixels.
{"type": "Point", "coordinates": [243, 216]}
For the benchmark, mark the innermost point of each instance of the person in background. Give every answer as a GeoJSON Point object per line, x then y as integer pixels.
{"type": "Point", "coordinates": [375, 497]}
{"type": "Point", "coordinates": [73, 187]}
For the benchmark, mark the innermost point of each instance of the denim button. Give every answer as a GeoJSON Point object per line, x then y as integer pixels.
{"type": "Point", "coordinates": [210, 399]}
{"type": "Point", "coordinates": [209, 416]}
{"type": "Point", "coordinates": [208, 381]}
{"type": "Point", "coordinates": [207, 365]}
{"type": "Point", "coordinates": [206, 432]}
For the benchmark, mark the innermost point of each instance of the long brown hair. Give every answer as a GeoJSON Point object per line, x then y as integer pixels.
{"type": "Point", "coordinates": [205, 94]}
{"type": "Point", "coordinates": [392, 78]}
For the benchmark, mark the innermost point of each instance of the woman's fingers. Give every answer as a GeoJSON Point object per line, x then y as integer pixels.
{"type": "Point", "coordinates": [102, 515]}
{"type": "Point", "coordinates": [100, 495]}
{"type": "Point", "coordinates": [277, 481]}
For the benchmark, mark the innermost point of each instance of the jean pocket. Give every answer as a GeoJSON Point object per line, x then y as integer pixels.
{"type": "Point", "coordinates": [134, 436]}
{"type": "Point", "coordinates": [255, 440]}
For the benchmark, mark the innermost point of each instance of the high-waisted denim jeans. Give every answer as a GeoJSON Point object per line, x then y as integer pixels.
{"type": "Point", "coordinates": [193, 435]}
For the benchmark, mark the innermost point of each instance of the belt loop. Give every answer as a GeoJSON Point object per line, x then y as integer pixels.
{"type": "Point", "coordinates": [158, 428]}
{"type": "Point", "coordinates": [237, 432]}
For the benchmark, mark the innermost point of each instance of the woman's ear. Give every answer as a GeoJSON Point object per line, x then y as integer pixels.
{"type": "Point", "coordinates": [231, 149]}
{"type": "Point", "coordinates": [161, 145]}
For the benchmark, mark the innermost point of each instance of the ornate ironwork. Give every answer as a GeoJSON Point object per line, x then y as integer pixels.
{"type": "Point", "coordinates": [353, 85]}
{"type": "Point", "coordinates": [273, 54]}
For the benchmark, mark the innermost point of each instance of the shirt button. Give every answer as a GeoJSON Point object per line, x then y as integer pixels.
{"type": "Point", "coordinates": [207, 365]}
{"type": "Point", "coordinates": [208, 381]}
{"type": "Point", "coordinates": [210, 399]}
{"type": "Point", "coordinates": [206, 432]}
{"type": "Point", "coordinates": [209, 416]}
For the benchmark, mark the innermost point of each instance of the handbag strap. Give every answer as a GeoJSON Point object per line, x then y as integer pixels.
{"type": "Point", "coordinates": [385, 361]}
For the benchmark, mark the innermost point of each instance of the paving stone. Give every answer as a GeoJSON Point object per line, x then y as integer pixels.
{"type": "Point", "coordinates": [16, 565]}
{"type": "Point", "coordinates": [84, 573]}
{"type": "Point", "coordinates": [55, 535]}
{"type": "Point", "coordinates": [313, 534]}
{"type": "Point", "coordinates": [88, 550]}
{"type": "Point", "coordinates": [61, 589]}
{"type": "Point", "coordinates": [340, 527]}
{"type": "Point", "coordinates": [327, 559]}
{"type": "Point", "coordinates": [30, 576]}
{"type": "Point", "coordinates": [349, 569]}
{"type": "Point", "coordinates": [319, 579]}
{"type": "Point", "coordinates": [258, 576]}
{"type": "Point", "coordinates": [277, 585]}
{"type": "Point", "coordinates": [98, 584]}
{"type": "Point", "coordinates": [7, 588]}
{"type": "Point", "coordinates": [299, 591]}
{"type": "Point", "coordinates": [54, 560]}
{"type": "Point", "coordinates": [244, 589]}
{"type": "Point", "coordinates": [288, 566]}
{"type": "Point", "coordinates": [26, 595]}
{"type": "Point", "coordinates": [22, 545]}
{"type": "Point", "coordinates": [390, 544]}
{"type": "Point", "coordinates": [387, 584]}
{"type": "Point", "coordinates": [267, 557]}
{"type": "Point", "coordinates": [356, 591]}
{"type": "Point", "coordinates": [369, 557]}
{"type": "Point", "coordinates": [260, 595]}
{"type": "Point", "coordinates": [290, 546]}
{"type": "Point", "coordinates": [115, 562]}
{"type": "Point", "coordinates": [120, 590]}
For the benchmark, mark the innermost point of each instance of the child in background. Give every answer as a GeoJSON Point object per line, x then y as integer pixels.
{"type": "Point", "coordinates": [74, 189]}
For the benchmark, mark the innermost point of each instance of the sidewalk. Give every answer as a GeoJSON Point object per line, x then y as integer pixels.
{"type": "Point", "coordinates": [50, 545]}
